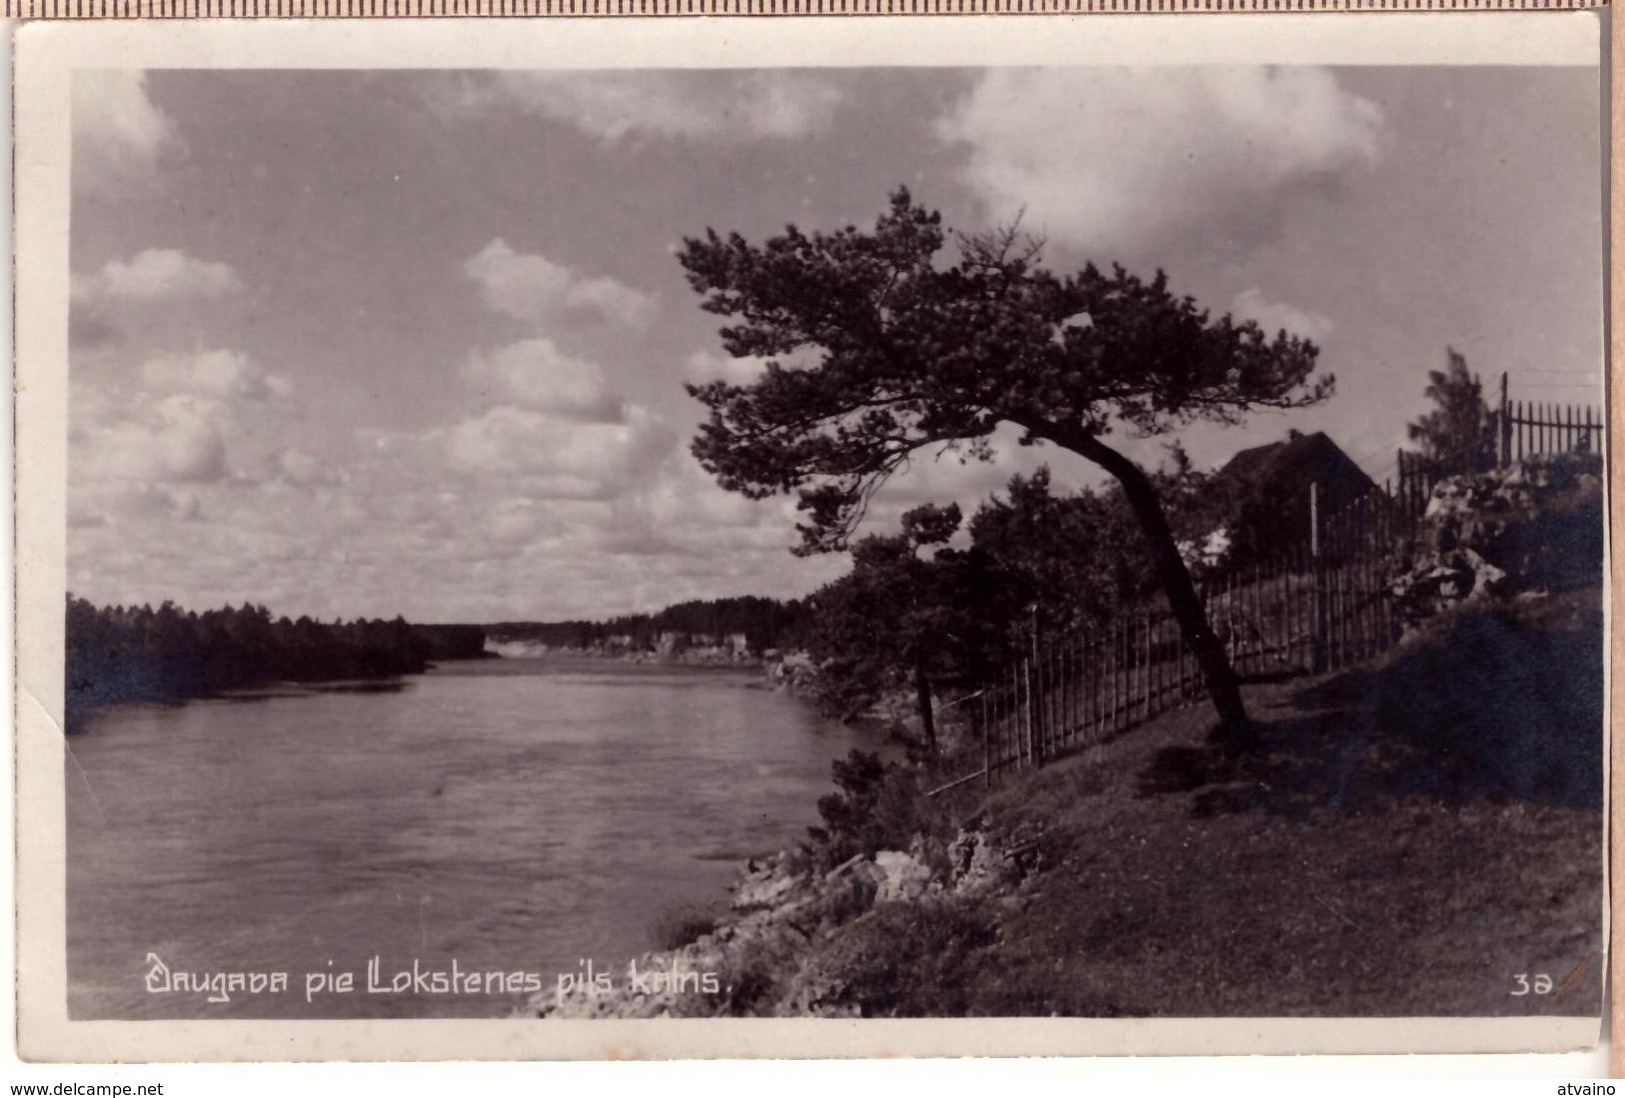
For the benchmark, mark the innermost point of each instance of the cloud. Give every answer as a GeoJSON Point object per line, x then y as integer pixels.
{"type": "Point", "coordinates": [177, 440]}
{"type": "Point", "coordinates": [703, 366]}
{"type": "Point", "coordinates": [535, 374]}
{"type": "Point", "coordinates": [557, 457]}
{"type": "Point", "coordinates": [156, 273]}
{"type": "Point", "coordinates": [1147, 159]}
{"type": "Point", "coordinates": [700, 106]}
{"type": "Point", "coordinates": [543, 518]}
{"type": "Point", "coordinates": [534, 288]}
{"type": "Point", "coordinates": [157, 296]}
{"type": "Point", "coordinates": [297, 467]}
{"type": "Point", "coordinates": [118, 133]}
{"type": "Point", "coordinates": [1275, 316]}
{"type": "Point", "coordinates": [220, 374]}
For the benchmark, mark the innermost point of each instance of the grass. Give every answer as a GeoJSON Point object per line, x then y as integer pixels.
{"type": "Point", "coordinates": [1410, 836]}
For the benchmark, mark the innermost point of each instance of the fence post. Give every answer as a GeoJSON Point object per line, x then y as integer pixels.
{"type": "Point", "coordinates": [1021, 679]}
{"type": "Point", "coordinates": [1505, 424]}
{"type": "Point", "coordinates": [982, 709]}
{"type": "Point", "coordinates": [1317, 627]}
{"type": "Point", "coordinates": [1144, 626]}
{"type": "Point", "coordinates": [1035, 697]}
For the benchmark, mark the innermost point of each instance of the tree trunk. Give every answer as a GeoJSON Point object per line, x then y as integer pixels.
{"type": "Point", "coordinates": [922, 700]}
{"type": "Point", "coordinates": [1172, 575]}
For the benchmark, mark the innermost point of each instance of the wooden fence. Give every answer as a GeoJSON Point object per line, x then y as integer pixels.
{"type": "Point", "coordinates": [1321, 604]}
{"type": "Point", "coordinates": [1525, 429]}
{"type": "Point", "coordinates": [1518, 429]}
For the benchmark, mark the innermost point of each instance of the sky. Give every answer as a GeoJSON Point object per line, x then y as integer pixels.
{"type": "Point", "coordinates": [413, 342]}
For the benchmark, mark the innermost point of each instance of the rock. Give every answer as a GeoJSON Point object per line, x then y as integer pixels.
{"type": "Point", "coordinates": [1487, 578]}
{"type": "Point", "coordinates": [762, 890]}
{"type": "Point", "coordinates": [1536, 525]}
{"type": "Point", "coordinates": [784, 947]}
{"type": "Point", "coordinates": [979, 866]}
{"type": "Point", "coordinates": [773, 886]}
{"type": "Point", "coordinates": [854, 884]}
{"type": "Point", "coordinates": [903, 877]}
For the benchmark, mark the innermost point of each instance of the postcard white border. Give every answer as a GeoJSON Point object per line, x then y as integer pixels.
{"type": "Point", "coordinates": [46, 54]}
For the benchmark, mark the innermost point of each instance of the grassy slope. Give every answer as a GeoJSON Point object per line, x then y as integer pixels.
{"type": "Point", "coordinates": [1413, 835]}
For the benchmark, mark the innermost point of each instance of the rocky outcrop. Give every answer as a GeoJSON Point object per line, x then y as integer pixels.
{"type": "Point", "coordinates": [793, 672]}
{"type": "Point", "coordinates": [1527, 530]}
{"type": "Point", "coordinates": [787, 944]}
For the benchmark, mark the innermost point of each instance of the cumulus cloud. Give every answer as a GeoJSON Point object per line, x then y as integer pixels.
{"type": "Point", "coordinates": [176, 440]}
{"type": "Point", "coordinates": [118, 132]}
{"type": "Point", "coordinates": [680, 510]}
{"type": "Point", "coordinates": [220, 374]}
{"type": "Point", "coordinates": [153, 274]}
{"type": "Point", "coordinates": [545, 518]}
{"type": "Point", "coordinates": [176, 437]}
{"type": "Point", "coordinates": [1143, 159]}
{"type": "Point", "coordinates": [1273, 316]}
{"type": "Point", "coordinates": [616, 105]}
{"type": "Point", "coordinates": [535, 374]}
{"type": "Point", "coordinates": [533, 288]}
{"type": "Point", "coordinates": [557, 457]}
{"type": "Point", "coordinates": [703, 366]}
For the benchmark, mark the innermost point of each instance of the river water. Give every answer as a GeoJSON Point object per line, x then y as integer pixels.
{"type": "Point", "coordinates": [521, 816]}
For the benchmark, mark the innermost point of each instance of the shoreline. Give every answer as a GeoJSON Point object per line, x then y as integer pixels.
{"type": "Point", "coordinates": [777, 949]}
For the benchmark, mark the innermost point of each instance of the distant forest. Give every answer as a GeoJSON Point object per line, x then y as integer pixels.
{"type": "Point", "coordinates": [135, 653]}
{"type": "Point", "coordinates": [765, 623]}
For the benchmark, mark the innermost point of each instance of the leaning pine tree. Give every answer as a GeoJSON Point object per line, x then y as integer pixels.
{"type": "Point", "coordinates": [899, 351]}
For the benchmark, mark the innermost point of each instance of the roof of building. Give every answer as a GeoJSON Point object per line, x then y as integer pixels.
{"type": "Point", "coordinates": [1294, 463]}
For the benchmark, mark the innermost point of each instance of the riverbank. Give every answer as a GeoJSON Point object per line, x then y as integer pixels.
{"type": "Point", "coordinates": [1388, 851]}
{"type": "Point", "coordinates": [688, 657]}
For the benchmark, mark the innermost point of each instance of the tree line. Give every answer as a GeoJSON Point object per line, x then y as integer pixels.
{"type": "Point", "coordinates": [765, 623]}
{"type": "Point", "coordinates": [137, 653]}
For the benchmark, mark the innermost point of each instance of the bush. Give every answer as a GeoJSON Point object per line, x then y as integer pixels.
{"type": "Point", "coordinates": [877, 808]}
{"type": "Point", "coordinates": [910, 960]}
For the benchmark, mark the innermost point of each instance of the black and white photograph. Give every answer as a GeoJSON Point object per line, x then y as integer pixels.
{"type": "Point", "coordinates": [1073, 536]}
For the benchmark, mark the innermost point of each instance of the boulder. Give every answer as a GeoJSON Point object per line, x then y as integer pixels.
{"type": "Point", "coordinates": [903, 877]}
{"type": "Point", "coordinates": [853, 885]}
{"type": "Point", "coordinates": [771, 885]}
{"type": "Point", "coordinates": [1533, 526]}
{"type": "Point", "coordinates": [979, 865]}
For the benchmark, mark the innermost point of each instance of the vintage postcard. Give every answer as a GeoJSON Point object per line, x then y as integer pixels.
{"type": "Point", "coordinates": [811, 537]}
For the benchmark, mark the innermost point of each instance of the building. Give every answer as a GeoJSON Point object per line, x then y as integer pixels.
{"type": "Point", "coordinates": [1264, 491]}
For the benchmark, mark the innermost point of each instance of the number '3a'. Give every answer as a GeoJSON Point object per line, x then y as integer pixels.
{"type": "Point", "coordinates": [1521, 984]}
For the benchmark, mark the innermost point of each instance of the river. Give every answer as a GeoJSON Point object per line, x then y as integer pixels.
{"type": "Point", "coordinates": [522, 816]}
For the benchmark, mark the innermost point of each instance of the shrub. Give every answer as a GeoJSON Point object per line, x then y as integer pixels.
{"type": "Point", "coordinates": [910, 960]}
{"type": "Point", "coordinates": [876, 808]}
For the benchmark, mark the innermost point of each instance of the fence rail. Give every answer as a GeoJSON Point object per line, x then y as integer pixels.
{"type": "Point", "coordinates": [1320, 604]}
